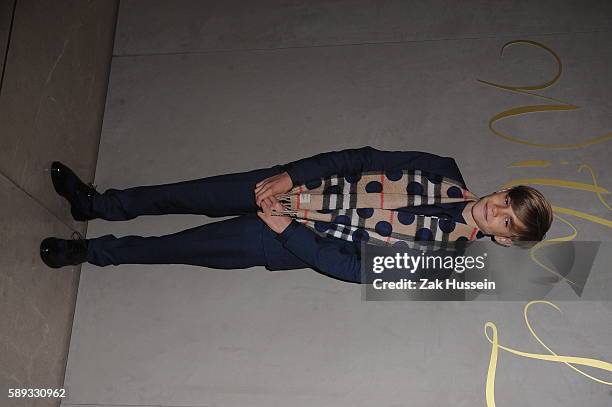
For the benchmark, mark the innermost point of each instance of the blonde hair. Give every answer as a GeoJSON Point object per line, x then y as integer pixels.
{"type": "Point", "coordinates": [534, 211]}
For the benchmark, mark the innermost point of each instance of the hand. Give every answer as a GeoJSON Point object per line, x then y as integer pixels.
{"type": "Point", "coordinates": [277, 184]}
{"type": "Point", "coordinates": [276, 223]}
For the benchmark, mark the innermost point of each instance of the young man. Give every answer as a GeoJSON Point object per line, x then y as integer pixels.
{"type": "Point", "coordinates": [354, 196]}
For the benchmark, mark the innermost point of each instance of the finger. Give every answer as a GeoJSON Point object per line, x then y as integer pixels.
{"type": "Point", "coordinates": [266, 207]}
{"type": "Point", "coordinates": [275, 203]}
{"type": "Point", "coordinates": [273, 207]}
{"type": "Point", "coordinates": [264, 194]}
{"type": "Point", "coordinates": [261, 184]}
{"type": "Point", "coordinates": [261, 189]}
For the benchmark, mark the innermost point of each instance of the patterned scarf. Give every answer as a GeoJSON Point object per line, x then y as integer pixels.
{"type": "Point", "coordinates": [363, 207]}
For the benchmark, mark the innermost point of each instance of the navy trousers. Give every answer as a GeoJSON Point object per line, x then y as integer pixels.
{"type": "Point", "coordinates": [228, 244]}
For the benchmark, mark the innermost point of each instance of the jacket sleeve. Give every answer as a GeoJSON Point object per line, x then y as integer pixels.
{"type": "Point", "coordinates": [364, 159]}
{"type": "Point", "coordinates": [321, 254]}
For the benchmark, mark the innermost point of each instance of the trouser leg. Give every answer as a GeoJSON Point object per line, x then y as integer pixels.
{"type": "Point", "coordinates": [220, 195]}
{"type": "Point", "coordinates": [228, 244]}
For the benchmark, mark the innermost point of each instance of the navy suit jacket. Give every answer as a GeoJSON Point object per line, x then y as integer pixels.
{"type": "Point", "coordinates": [336, 257]}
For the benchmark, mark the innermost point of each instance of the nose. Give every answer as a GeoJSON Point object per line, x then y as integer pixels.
{"type": "Point", "coordinates": [497, 210]}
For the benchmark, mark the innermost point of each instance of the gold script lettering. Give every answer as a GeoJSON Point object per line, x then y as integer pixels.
{"type": "Point", "coordinates": [538, 108]}
{"type": "Point", "coordinates": [553, 357]}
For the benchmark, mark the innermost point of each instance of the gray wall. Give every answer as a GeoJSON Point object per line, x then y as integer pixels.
{"type": "Point", "coordinates": [7, 8]}
{"type": "Point", "coordinates": [51, 108]}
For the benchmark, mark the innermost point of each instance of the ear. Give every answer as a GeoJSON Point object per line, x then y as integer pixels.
{"type": "Point", "coordinates": [502, 240]}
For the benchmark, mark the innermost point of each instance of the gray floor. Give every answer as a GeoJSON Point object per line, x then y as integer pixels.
{"type": "Point", "coordinates": [199, 90]}
{"type": "Point", "coordinates": [51, 104]}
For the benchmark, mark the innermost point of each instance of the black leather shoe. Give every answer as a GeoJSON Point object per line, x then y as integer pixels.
{"type": "Point", "coordinates": [58, 253]}
{"type": "Point", "coordinates": [80, 195]}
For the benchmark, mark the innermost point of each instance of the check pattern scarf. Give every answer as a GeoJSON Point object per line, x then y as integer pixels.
{"type": "Point", "coordinates": [368, 207]}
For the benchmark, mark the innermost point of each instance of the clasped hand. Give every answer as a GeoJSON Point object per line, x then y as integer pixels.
{"type": "Point", "coordinates": [265, 192]}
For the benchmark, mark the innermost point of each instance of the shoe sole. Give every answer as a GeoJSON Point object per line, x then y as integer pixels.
{"type": "Point", "coordinates": [49, 246]}
{"type": "Point", "coordinates": [44, 248]}
{"type": "Point", "coordinates": [57, 168]}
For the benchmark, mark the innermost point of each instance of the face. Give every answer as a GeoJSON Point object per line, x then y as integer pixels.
{"type": "Point", "coordinates": [494, 215]}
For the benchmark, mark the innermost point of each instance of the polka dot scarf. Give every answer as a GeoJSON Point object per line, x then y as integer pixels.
{"type": "Point", "coordinates": [362, 207]}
